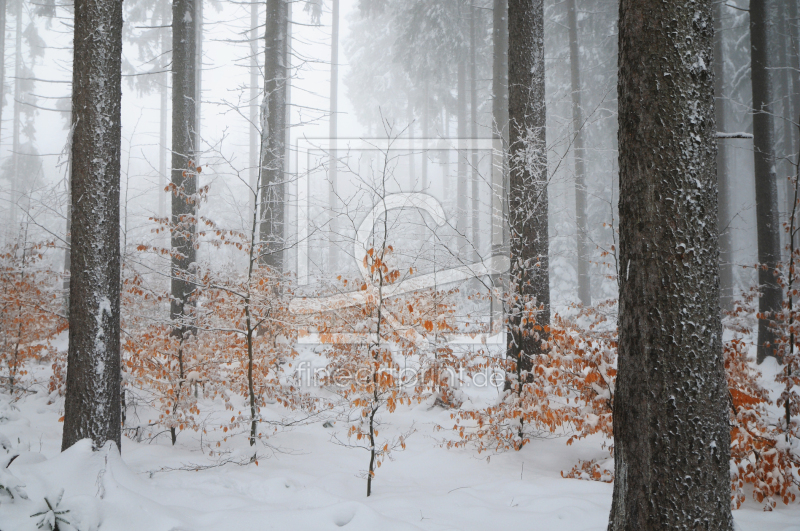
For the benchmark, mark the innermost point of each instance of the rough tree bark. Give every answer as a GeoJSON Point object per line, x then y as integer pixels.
{"type": "Point", "coordinates": [723, 184]}
{"type": "Point", "coordinates": [671, 433]}
{"type": "Point", "coordinates": [584, 280]}
{"type": "Point", "coordinates": [92, 406]}
{"type": "Point", "coordinates": [527, 194]}
{"type": "Point", "coordinates": [184, 175]}
{"type": "Point", "coordinates": [273, 133]}
{"type": "Point", "coordinates": [767, 223]}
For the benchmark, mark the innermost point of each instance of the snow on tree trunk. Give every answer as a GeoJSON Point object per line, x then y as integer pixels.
{"type": "Point", "coordinates": [767, 223]}
{"type": "Point", "coordinates": [584, 280]}
{"type": "Point", "coordinates": [671, 432]}
{"type": "Point", "coordinates": [273, 133]}
{"type": "Point", "coordinates": [183, 150]}
{"type": "Point", "coordinates": [527, 194]}
{"type": "Point", "coordinates": [92, 407]}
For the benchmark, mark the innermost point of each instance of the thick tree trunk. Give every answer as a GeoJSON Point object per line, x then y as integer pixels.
{"type": "Point", "coordinates": [273, 133]}
{"type": "Point", "coordinates": [767, 223]}
{"type": "Point", "coordinates": [184, 174]}
{"type": "Point", "coordinates": [92, 407]}
{"type": "Point", "coordinates": [584, 280]}
{"type": "Point", "coordinates": [723, 184]}
{"type": "Point", "coordinates": [184, 115]}
{"type": "Point", "coordinates": [333, 131]}
{"type": "Point", "coordinates": [527, 194]}
{"type": "Point", "coordinates": [671, 433]}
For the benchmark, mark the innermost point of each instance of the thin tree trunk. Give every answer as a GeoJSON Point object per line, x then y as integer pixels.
{"type": "Point", "coordinates": [671, 432]}
{"type": "Point", "coordinates": [768, 225]}
{"type": "Point", "coordinates": [473, 107]}
{"type": "Point", "coordinates": [425, 133]}
{"type": "Point", "coordinates": [333, 132]}
{"type": "Point", "coordinates": [723, 184]}
{"type": "Point", "coordinates": [273, 134]}
{"type": "Point", "coordinates": [528, 183]}
{"type": "Point", "coordinates": [254, 132]}
{"type": "Point", "coordinates": [500, 70]}
{"type": "Point", "coordinates": [16, 183]}
{"type": "Point", "coordinates": [499, 227]}
{"type": "Point", "coordinates": [2, 58]}
{"type": "Point", "coordinates": [584, 280]}
{"type": "Point", "coordinates": [163, 146]}
{"type": "Point", "coordinates": [461, 168]}
{"type": "Point", "coordinates": [92, 406]}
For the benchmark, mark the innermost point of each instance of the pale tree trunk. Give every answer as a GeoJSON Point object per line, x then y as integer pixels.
{"type": "Point", "coordinates": [723, 177]}
{"type": "Point", "coordinates": [163, 147]}
{"type": "Point", "coordinates": [767, 222]}
{"type": "Point", "coordinates": [527, 194]}
{"type": "Point", "coordinates": [461, 167]}
{"type": "Point", "coordinates": [333, 134]}
{"type": "Point", "coordinates": [184, 175]}
{"type": "Point", "coordinates": [584, 280]}
{"type": "Point", "coordinates": [92, 406]}
{"type": "Point", "coordinates": [499, 226]}
{"type": "Point", "coordinates": [273, 134]}
{"type": "Point", "coordinates": [16, 181]}
{"type": "Point", "coordinates": [473, 108]}
{"type": "Point", "coordinates": [425, 134]}
{"type": "Point", "coordinates": [2, 58]}
{"type": "Point", "coordinates": [671, 432]}
{"type": "Point", "coordinates": [254, 133]}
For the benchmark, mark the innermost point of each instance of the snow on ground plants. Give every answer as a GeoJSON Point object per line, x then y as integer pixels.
{"type": "Point", "coordinates": [304, 479]}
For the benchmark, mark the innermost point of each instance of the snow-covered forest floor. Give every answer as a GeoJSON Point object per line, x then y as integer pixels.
{"type": "Point", "coordinates": [305, 480]}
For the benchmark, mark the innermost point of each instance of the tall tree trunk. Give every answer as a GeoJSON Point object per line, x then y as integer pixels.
{"type": "Point", "coordinates": [767, 223]}
{"type": "Point", "coordinates": [793, 27]}
{"type": "Point", "coordinates": [254, 133]}
{"type": "Point", "coordinates": [184, 175]}
{"type": "Point", "coordinates": [184, 115]}
{"type": "Point", "coordinates": [723, 177]}
{"type": "Point", "coordinates": [198, 81]}
{"type": "Point", "coordinates": [499, 226]}
{"type": "Point", "coordinates": [671, 432]}
{"type": "Point", "coordinates": [461, 167]}
{"type": "Point", "coordinates": [163, 146]}
{"type": "Point", "coordinates": [584, 280]}
{"type": "Point", "coordinates": [2, 58]}
{"type": "Point", "coordinates": [333, 132]}
{"type": "Point", "coordinates": [425, 133]}
{"type": "Point", "coordinates": [92, 406]}
{"type": "Point", "coordinates": [273, 133]}
{"type": "Point", "coordinates": [473, 108]}
{"type": "Point", "coordinates": [16, 184]}
{"type": "Point", "coordinates": [500, 70]}
{"type": "Point", "coordinates": [527, 182]}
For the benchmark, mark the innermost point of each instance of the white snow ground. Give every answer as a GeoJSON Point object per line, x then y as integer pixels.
{"type": "Point", "coordinates": [312, 485]}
